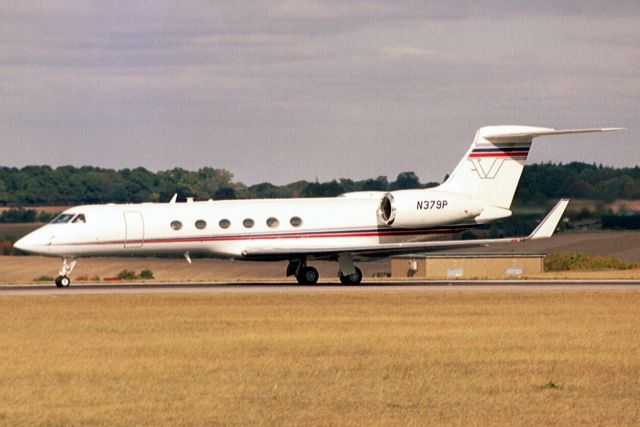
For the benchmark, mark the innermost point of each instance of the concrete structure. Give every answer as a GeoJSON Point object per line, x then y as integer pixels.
{"type": "Point", "coordinates": [468, 266]}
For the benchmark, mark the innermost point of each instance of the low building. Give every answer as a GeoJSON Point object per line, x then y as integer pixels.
{"type": "Point", "coordinates": [467, 266]}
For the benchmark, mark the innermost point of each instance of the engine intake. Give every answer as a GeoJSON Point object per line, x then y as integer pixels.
{"type": "Point", "coordinates": [426, 208]}
{"type": "Point", "coordinates": [388, 209]}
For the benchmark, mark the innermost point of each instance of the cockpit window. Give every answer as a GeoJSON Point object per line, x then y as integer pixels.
{"type": "Point", "coordinates": [79, 219]}
{"type": "Point", "coordinates": [62, 218]}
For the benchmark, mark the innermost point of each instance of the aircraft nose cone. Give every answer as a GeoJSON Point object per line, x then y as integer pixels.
{"type": "Point", "coordinates": [21, 244]}
{"type": "Point", "coordinates": [30, 243]}
{"type": "Point", "coordinates": [37, 242]}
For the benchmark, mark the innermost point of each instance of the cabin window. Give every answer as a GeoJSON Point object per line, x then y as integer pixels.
{"type": "Point", "coordinates": [62, 219]}
{"type": "Point", "coordinates": [201, 224]}
{"type": "Point", "coordinates": [224, 223]}
{"type": "Point", "coordinates": [296, 221]}
{"type": "Point", "coordinates": [248, 223]}
{"type": "Point", "coordinates": [79, 219]}
{"type": "Point", "coordinates": [273, 222]}
{"type": "Point", "coordinates": [176, 225]}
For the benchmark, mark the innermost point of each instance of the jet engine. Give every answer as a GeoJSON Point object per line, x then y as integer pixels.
{"type": "Point", "coordinates": [426, 208]}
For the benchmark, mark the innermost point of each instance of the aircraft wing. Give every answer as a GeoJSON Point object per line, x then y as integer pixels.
{"type": "Point", "coordinates": [544, 230]}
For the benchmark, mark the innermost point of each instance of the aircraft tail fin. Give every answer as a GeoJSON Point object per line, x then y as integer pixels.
{"type": "Point", "coordinates": [491, 168]}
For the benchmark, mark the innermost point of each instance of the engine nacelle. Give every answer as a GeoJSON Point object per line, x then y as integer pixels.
{"type": "Point", "coordinates": [426, 208]}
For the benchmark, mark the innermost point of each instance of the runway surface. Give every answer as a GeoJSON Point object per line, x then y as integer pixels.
{"type": "Point", "coordinates": [288, 287]}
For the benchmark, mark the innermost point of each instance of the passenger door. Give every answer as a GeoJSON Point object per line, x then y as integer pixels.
{"type": "Point", "coordinates": [134, 230]}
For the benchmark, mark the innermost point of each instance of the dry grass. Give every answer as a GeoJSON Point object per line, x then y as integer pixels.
{"type": "Point", "coordinates": [17, 269]}
{"type": "Point", "coordinates": [24, 269]}
{"type": "Point", "coordinates": [351, 359]}
{"type": "Point", "coordinates": [588, 275]}
{"type": "Point", "coordinates": [16, 231]}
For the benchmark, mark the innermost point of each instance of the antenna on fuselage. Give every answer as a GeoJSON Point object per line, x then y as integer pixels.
{"type": "Point", "coordinates": [174, 198]}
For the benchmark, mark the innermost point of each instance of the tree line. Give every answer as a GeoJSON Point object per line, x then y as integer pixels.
{"type": "Point", "coordinates": [576, 180]}
{"type": "Point", "coordinates": [68, 185]}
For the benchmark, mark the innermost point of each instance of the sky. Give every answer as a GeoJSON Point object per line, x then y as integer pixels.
{"type": "Point", "coordinates": [281, 91]}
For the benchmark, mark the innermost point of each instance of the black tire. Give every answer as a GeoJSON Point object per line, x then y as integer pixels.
{"type": "Point", "coordinates": [352, 279]}
{"type": "Point", "coordinates": [65, 281]}
{"type": "Point", "coordinates": [58, 282]}
{"type": "Point", "coordinates": [308, 276]}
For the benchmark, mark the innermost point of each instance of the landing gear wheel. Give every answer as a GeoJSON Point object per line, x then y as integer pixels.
{"type": "Point", "coordinates": [68, 264]}
{"type": "Point", "coordinates": [351, 279]}
{"type": "Point", "coordinates": [63, 281]}
{"type": "Point", "coordinates": [308, 276]}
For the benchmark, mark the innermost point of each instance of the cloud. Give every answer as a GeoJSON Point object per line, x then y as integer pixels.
{"type": "Point", "coordinates": [234, 83]}
{"type": "Point", "coordinates": [405, 51]}
{"type": "Point", "coordinates": [314, 9]}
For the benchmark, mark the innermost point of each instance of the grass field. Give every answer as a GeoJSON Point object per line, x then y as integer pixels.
{"type": "Point", "coordinates": [490, 358]}
{"type": "Point", "coordinates": [24, 269]}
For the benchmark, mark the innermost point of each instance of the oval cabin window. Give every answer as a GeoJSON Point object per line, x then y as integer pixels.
{"type": "Point", "coordinates": [273, 222]}
{"type": "Point", "coordinates": [176, 225]}
{"type": "Point", "coordinates": [296, 221]}
{"type": "Point", "coordinates": [248, 223]}
{"type": "Point", "coordinates": [224, 223]}
{"type": "Point", "coordinates": [201, 224]}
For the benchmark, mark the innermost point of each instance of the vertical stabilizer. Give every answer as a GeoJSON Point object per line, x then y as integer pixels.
{"type": "Point", "coordinates": [491, 168]}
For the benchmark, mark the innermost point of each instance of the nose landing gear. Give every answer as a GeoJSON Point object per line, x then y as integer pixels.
{"type": "Point", "coordinates": [68, 264]}
{"type": "Point", "coordinates": [63, 281]}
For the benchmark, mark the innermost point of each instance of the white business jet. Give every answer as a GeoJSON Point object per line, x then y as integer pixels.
{"type": "Point", "coordinates": [478, 191]}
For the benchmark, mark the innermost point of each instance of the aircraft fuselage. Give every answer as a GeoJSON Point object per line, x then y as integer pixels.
{"type": "Point", "coordinates": [228, 228]}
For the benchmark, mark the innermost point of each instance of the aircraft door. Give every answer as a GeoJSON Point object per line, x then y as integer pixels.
{"type": "Point", "coordinates": [134, 230]}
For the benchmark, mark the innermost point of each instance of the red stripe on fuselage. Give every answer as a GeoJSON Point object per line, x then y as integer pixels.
{"type": "Point", "coordinates": [314, 235]}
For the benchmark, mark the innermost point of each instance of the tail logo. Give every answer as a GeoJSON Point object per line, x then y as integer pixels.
{"type": "Point", "coordinates": [488, 169]}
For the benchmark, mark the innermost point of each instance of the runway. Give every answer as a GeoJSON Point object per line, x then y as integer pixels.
{"type": "Point", "coordinates": [418, 287]}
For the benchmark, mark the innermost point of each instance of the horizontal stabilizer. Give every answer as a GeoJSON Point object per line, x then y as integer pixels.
{"type": "Point", "coordinates": [504, 133]}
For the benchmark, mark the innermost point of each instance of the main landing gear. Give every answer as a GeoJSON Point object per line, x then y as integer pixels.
{"type": "Point", "coordinates": [68, 264]}
{"type": "Point", "coordinates": [307, 276]}
{"type": "Point", "coordinates": [348, 273]}
{"type": "Point", "coordinates": [351, 279]}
